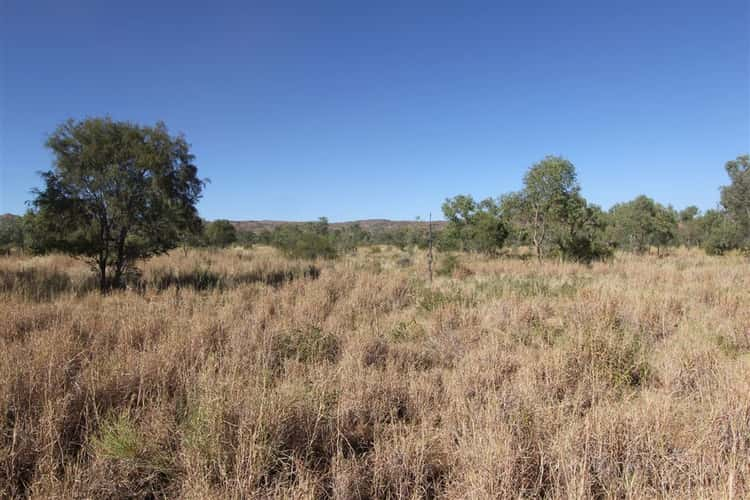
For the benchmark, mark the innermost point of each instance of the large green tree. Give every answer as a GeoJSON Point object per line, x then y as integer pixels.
{"type": "Point", "coordinates": [735, 198]}
{"type": "Point", "coordinates": [641, 223]}
{"type": "Point", "coordinates": [550, 198]}
{"type": "Point", "coordinates": [473, 226]}
{"type": "Point", "coordinates": [578, 233]}
{"type": "Point", "coordinates": [718, 232]}
{"type": "Point", "coordinates": [117, 192]}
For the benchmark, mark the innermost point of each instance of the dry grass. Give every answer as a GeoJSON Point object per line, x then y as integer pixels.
{"type": "Point", "coordinates": [240, 374]}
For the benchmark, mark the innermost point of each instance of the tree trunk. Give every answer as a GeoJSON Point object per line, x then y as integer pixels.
{"type": "Point", "coordinates": [120, 261]}
{"type": "Point", "coordinates": [102, 274]}
{"type": "Point", "coordinates": [103, 253]}
{"type": "Point", "coordinates": [117, 278]}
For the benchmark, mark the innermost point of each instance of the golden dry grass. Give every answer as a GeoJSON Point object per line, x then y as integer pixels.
{"type": "Point", "coordinates": [506, 379]}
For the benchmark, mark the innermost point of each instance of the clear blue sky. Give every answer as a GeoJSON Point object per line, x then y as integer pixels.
{"type": "Point", "coordinates": [376, 109]}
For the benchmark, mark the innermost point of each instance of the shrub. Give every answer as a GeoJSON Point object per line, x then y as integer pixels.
{"type": "Point", "coordinates": [307, 245]}
{"type": "Point", "coordinates": [130, 464]}
{"type": "Point", "coordinates": [220, 233]}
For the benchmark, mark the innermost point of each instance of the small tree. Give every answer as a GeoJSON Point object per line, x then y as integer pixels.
{"type": "Point", "coordinates": [118, 192]}
{"type": "Point", "coordinates": [665, 227]}
{"type": "Point", "coordinates": [220, 233]}
{"type": "Point", "coordinates": [688, 230]}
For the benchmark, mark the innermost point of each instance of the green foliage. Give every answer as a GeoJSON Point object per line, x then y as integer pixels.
{"type": "Point", "coordinates": [689, 226]}
{"type": "Point", "coordinates": [720, 233]}
{"type": "Point", "coordinates": [144, 465]}
{"type": "Point", "coordinates": [341, 240]}
{"type": "Point", "coordinates": [220, 233]}
{"type": "Point", "coordinates": [642, 223]}
{"type": "Point", "coordinates": [118, 192]}
{"type": "Point", "coordinates": [544, 201]}
{"type": "Point", "coordinates": [11, 233]}
{"type": "Point", "coordinates": [119, 439]}
{"type": "Point", "coordinates": [308, 241]}
{"type": "Point", "coordinates": [247, 238]}
{"type": "Point", "coordinates": [550, 214]}
{"type": "Point", "coordinates": [350, 237]}
{"type": "Point", "coordinates": [473, 226]}
{"type": "Point", "coordinates": [312, 246]}
{"type": "Point", "coordinates": [579, 233]}
{"type": "Point", "coordinates": [735, 198]}
{"type": "Point", "coordinates": [401, 237]}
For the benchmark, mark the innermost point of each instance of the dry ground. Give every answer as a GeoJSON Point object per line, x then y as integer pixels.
{"type": "Point", "coordinates": [259, 377]}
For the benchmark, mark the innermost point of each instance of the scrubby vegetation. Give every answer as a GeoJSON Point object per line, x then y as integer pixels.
{"type": "Point", "coordinates": [555, 354]}
{"type": "Point", "coordinates": [246, 374]}
{"type": "Point", "coordinates": [91, 214]}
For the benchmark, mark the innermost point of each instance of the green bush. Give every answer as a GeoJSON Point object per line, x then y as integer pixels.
{"type": "Point", "coordinates": [220, 233]}
{"type": "Point", "coordinates": [311, 246]}
{"type": "Point", "coordinates": [310, 241]}
{"type": "Point", "coordinates": [722, 234]}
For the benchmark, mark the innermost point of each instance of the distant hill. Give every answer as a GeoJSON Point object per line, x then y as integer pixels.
{"type": "Point", "coordinates": [370, 225]}
{"type": "Point", "coordinates": [9, 218]}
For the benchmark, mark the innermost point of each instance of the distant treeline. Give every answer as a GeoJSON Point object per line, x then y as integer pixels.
{"type": "Point", "coordinates": [119, 193]}
{"type": "Point", "coordinates": [313, 239]}
{"type": "Point", "coordinates": [549, 215]}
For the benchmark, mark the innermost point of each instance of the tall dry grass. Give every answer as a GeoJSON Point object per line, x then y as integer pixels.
{"type": "Point", "coordinates": [240, 374]}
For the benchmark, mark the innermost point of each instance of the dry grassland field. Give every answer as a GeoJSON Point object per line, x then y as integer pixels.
{"type": "Point", "coordinates": [242, 374]}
